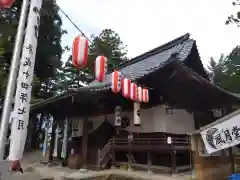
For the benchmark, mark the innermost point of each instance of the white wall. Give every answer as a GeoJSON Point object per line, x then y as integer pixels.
{"type": "Point", "coordinates": [152, 120]}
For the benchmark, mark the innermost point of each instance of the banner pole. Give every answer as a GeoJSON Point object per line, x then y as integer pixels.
{"type": "Point", "coordinates": [8, 99]}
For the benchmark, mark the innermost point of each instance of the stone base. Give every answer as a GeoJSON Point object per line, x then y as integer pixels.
{"type": "Point", "coordinates": [113, 167]}
{"type": "Point", "coordinates": [130, 169]}
{"type": "Point", "coordinates": [150, 172]}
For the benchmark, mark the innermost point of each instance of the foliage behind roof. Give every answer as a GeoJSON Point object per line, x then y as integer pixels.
{"type": "Point", "coordinates": [139, 66]}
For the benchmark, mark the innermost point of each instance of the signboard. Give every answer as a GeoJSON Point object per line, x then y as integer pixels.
{"type": "Point", "coordinates": [222, 135]}
{"type": "Point", "coordinates": [118, 119]}
{"type": "Point", "coordinates": [136, 116]}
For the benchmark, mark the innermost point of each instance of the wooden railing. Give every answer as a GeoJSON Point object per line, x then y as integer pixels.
{"type": "Point", "coordinates": [152, 141]}
{"type": "Point", "coordinates": [102, 154]}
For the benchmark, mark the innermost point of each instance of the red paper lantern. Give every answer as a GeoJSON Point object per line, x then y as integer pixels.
{"type": "Point", "coordinates": [140, 94]}
{"type": "Point", "coordinates": [80, 51]}
{"type": "Point", "coordinates": [116, 81]}
{"type": "Point", "coordinates": [133, 92]}
{"type": "Point", "coordinates": [6, 3]}
{"type": "Point", "coordinates": [126, 87]}
{"type": "Point", "coordinates": [100, 68]}
{"type": "Point", "coordinates": [145, 95]}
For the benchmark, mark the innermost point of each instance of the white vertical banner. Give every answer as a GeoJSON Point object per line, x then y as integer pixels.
{"type": "Point", "coordinates": [24, 83]}
{"type": "Point", "coordinates": [65, 140]}
{"type": "Point", "coordinates": [136, 114]}
{"type": "Point", "coordinates": [55, 150]}
{"type": "Point", "coordinates": [45, 143]}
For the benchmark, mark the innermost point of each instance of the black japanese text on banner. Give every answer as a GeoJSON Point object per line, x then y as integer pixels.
{"type": "Point", "coordinates": [223, 135]}
{"type": "Point", "coordinates": [24, 83]}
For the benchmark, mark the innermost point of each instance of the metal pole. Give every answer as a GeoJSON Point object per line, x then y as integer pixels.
{"type": "Point", "coordinates": [7, 106]}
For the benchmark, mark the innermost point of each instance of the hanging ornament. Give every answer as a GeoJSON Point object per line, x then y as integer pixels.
{"type": "Point", "coordinates": [169, 140]}
{"type": "Point", "coordinates": [80, 51]}
{"type": "Point", "coordinates": [125, 122]}
{"type": "Point", "coordinates": [126, 87]}
{"type": "Point", "coordinates": [100, 68]}
{"type": "Point", "coordinates": [136, 114]}
{"type": "Point", "coordinates": [6, 3]}
{"type": "Point", "coordinates": [118, 118]}
{"type": "Point", "coordinates": [145, 95]}
{"type": "Point", "coordinates": [116, 81]}
{"type": "Point", "coordinates": [140, 94]}
{"type": "Point", "coordinates": [133, 92]}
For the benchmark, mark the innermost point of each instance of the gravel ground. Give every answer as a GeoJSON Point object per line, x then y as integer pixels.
{"type": "Point", "coordinates": [28, 160]}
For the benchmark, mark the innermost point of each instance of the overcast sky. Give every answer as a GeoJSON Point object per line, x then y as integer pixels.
{"type": "Point", "coordinates": [146, 24]}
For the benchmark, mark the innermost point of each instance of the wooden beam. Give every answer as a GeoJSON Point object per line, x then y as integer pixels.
{"type": "Point", "coordinates": [174, 161]}
{"type": "Point", "coordinates": [209, 167]}
{"type": "Point", "coordinates": [149, 157]}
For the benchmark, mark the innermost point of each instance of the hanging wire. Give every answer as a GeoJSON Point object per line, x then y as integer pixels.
{"type": "Point", "coordinates": [74, 24]}
{"type": "Point", "coordinates": [82, 33]}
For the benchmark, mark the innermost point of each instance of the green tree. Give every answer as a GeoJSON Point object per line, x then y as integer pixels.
{"type": "Point", "coordinates": [227, 71]}
{"type": "Point", "coordinates": [49, 50]}
{"type": "Point", "coordinates": [234, 18]}
{"type": "Point", "coordinates": [216, 68]}
{"type": "Point", "coordinates": [107, 43]}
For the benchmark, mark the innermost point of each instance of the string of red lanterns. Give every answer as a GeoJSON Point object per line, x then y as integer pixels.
{"type": "Point", "coordinates": [129, 89]}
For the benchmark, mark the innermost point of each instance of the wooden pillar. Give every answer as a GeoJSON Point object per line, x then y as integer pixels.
{"type": "Point", "coordinates": [113, 153]}
{"type": "Point", "coordinates": [232, 160]}
{"type": "Point", "coordinates": [149, 157]}
{"type": "Point", "coordinates": [174, 161]}
{"type": "Point", "coordinates": [208, 167]}
{"type": "Point", "coordinates": [30, 132]}
{"type": "Point", "coordinates": [85, 142]}
{"type": "Point", "coordinates": [129, 153]}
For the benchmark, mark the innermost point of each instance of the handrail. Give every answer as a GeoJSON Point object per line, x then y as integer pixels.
{"type": "Point", "coordinates": [105, 149]}
{"type": "Point", "coordinates": [175, 141]}
{"type": "Point", "coordinates": [141, 141]}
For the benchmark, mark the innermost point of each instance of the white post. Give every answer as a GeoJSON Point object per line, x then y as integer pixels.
{"type": "Point", "coordinates": [7, 107]}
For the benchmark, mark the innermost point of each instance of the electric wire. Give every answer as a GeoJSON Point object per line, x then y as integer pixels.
{"type": "Point", "coordinates": [82, 33]}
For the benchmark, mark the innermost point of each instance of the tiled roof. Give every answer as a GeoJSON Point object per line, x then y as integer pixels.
{"type": "Point", "coordinates": [139, 66]}
{"type": "Point", "coordinates": [150, 61]}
